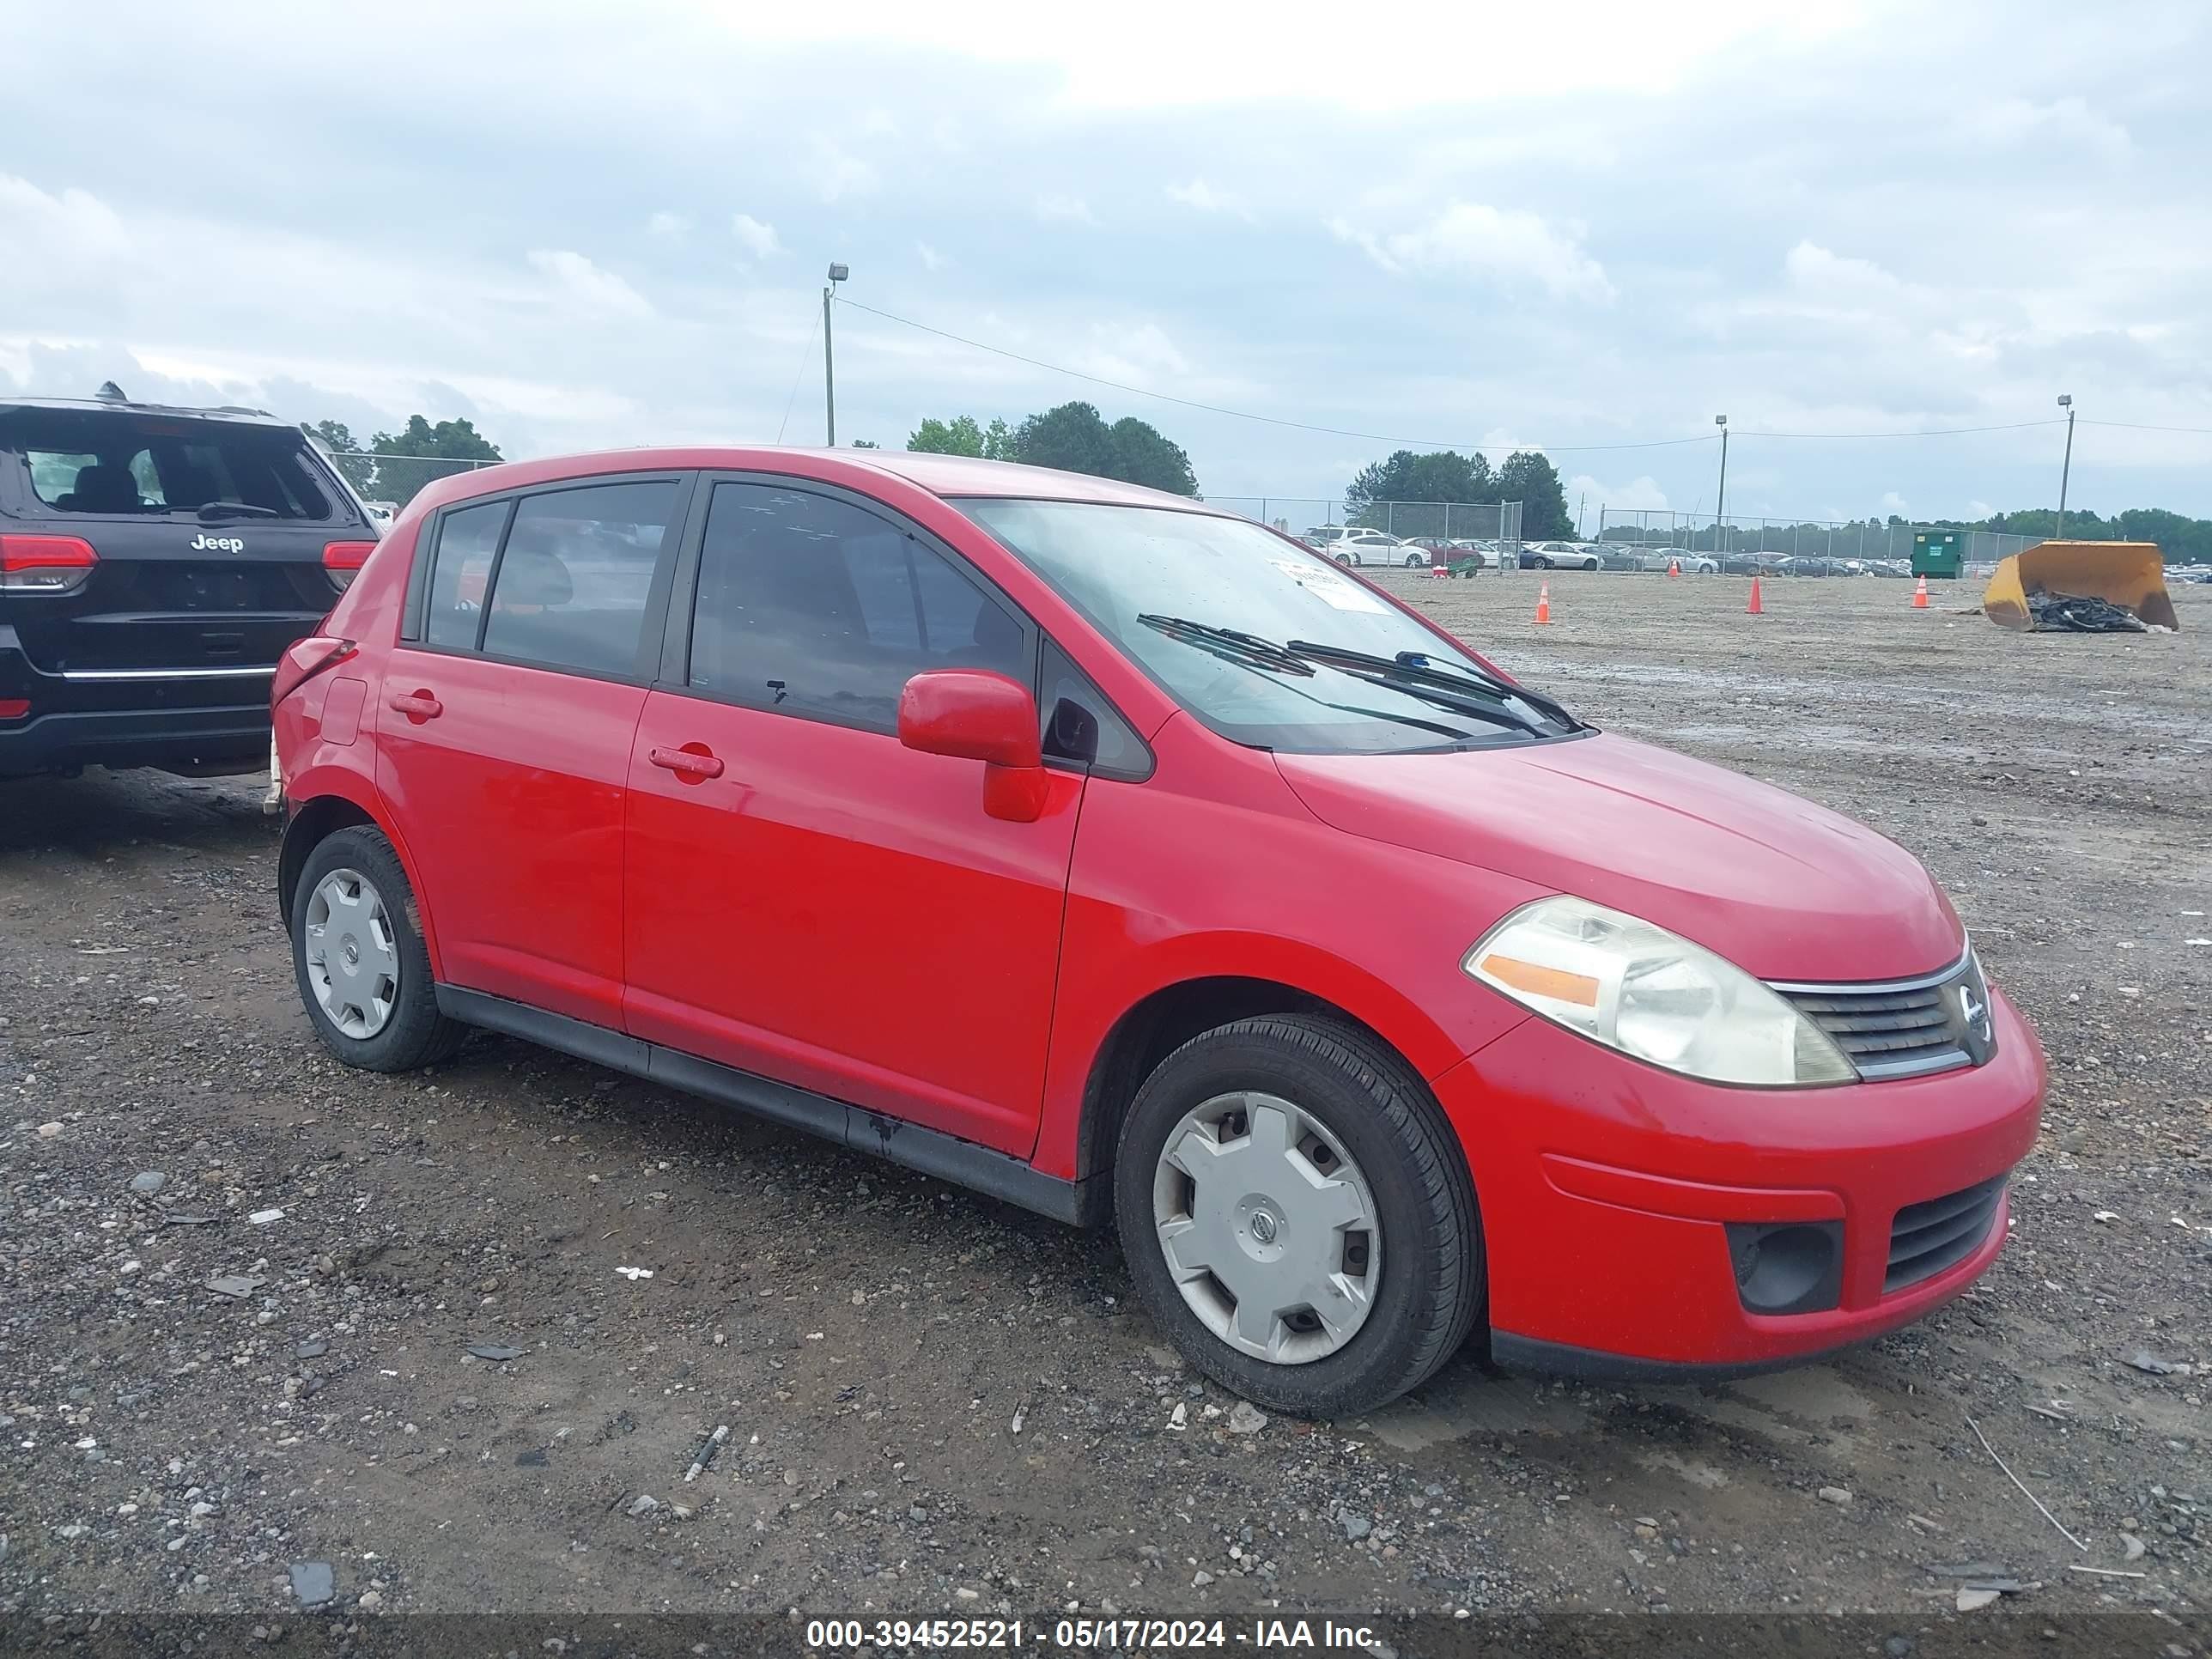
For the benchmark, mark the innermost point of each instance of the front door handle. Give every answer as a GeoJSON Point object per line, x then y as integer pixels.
{"type": "Point", "coordinates": [693, 764]}
{"type": "Point", "coordinates": [417, 705]}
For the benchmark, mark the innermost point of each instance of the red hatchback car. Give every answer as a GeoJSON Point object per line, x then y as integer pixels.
{"type": "Point", "coordinates": [1107, 853]}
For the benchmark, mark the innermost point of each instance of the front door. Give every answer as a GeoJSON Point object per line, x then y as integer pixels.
{"type": "Point", "coordinates": [808, 899]}
{"type": "Point", "coordinates": [504, 730]}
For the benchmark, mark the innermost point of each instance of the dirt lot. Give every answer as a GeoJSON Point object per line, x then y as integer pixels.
{"type": "Point", "coordinates": [938, 1404]}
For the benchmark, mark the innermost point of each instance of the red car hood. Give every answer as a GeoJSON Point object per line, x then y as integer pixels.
{"type": "Point", "coordinates": [1782, 888]}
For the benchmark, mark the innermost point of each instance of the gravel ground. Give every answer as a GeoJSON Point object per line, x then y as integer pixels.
{"type": "Point", "coordinates": [257, 1353]}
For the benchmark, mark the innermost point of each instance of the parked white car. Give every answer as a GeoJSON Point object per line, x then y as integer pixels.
{"type": "Point", "coordinates": [1349, 546]}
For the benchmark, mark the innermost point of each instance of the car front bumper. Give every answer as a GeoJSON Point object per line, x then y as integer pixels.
{"type": "Point", "coordinates": [1610, 1191]}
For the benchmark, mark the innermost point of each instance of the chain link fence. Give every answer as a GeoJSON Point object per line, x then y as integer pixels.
{"type": "Point", "coordinates": [1791, 538]}
{"type": "Point", "coordinates": [392, 481]}
{"type": "Point", "coordinates": [1296, 515]}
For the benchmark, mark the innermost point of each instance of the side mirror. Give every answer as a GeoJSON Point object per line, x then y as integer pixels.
{"type": "Point", "coordinates": [971, 715]}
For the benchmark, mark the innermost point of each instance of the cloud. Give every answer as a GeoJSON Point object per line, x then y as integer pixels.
{"type": "Point", "coordinates": [758, 239]}
{"type": "Point", "coordinates": [2008, 122]}
{"type": "Point", "coordinates": [1815, 268]}
{"type": "Point", "coordinates": [1639, 494]}
{"type": "Point", "coordinates": [588, 284]}
{"type": "Point", "coordinates": [72, 225]}
{"type": "Point", "coordinates": [673, 227]}
{"type": "Point", "coordinates": [930, 257]}
{"type": "Point", "coordinates": [1893, 502]}
{"type": "Point", "coordinates": [1202, 197]}
{"type": "Point", "coordinates": [836, 174]}
{"type": "Point", "coordinates": [1057, 207]}
{"type": "Point", "coordinates": [1467, 238]}
{"type": "Point", "coordinates": [1135, 354]}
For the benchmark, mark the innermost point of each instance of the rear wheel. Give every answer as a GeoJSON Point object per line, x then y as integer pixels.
{"type": "Point", "coordinates": [357, 952]}
{"type": "Point", "coordinates": [1297, 1216]}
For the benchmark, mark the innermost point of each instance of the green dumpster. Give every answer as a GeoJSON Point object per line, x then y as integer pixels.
{"type": "Point", "coordinates": [1939, 552]}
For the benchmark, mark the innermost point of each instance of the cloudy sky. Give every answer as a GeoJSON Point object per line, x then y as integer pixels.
{"type": "Point", "coordinates": [1579, 225]}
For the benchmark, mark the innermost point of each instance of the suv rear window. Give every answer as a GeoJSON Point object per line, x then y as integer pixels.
{"type": "Point", "coordinates": [126, 463]}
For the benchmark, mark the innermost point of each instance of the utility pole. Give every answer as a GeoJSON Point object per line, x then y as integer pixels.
{"type": "Point", "coordinates": [2066, 468]}
{"type": "Point", "coordinates": [837, 274]}
{"type": "Point", "coordinates": [1720, 512]}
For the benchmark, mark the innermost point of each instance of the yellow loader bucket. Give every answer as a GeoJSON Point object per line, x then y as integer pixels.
{"type": "Point", "coordinates": [2129, 573]}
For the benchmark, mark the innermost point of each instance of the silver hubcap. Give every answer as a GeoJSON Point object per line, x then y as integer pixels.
{"type": "Point", "coordinates": [352, 962]}
{"type": "Point", "coordinates": [1269, 1228]}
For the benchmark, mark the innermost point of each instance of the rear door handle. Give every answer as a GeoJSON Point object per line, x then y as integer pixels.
{"type": "Point", "coordinates": [693, 764]}
{"type": "Point", "coordinates": [418, 706]}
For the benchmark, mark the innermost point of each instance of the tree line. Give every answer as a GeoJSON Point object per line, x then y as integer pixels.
{"type": "Point", "coordinates": [381, 469]}
{"type": "Point", "coordinates": [1073, 438]}
{"type": "Point", "coordinates": [1444, 475]}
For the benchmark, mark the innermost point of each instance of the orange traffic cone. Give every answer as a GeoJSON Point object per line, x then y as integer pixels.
{"type": "Point", "coordinates": [1754, 609]}
{"type": "Point", "coordinates": [1544, 603]}
{"type": "Point", "coordinates": [1920, 595]}
{"type": "Point", "coordinates": [1674, 567]}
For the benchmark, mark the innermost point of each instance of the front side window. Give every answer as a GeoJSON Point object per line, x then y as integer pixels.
{"type": "Point", "coordinates": [573, 583]}
{"type": "Point", "coordinates": [811, 605]}
{"type": "Point", "coordinates": [1268, 642]}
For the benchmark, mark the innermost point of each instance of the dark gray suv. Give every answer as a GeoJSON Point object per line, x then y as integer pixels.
{"type": "Point", "coordinates": [153, 565]}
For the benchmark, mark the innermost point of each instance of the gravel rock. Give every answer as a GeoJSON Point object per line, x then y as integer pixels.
{"type": "Point", "coordinates": [147, 1183]}
{"type": "Point", "coordinates": [313, 1585]}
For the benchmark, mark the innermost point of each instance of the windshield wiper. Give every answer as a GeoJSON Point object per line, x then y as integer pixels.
{"type": "Point", "coordinates": [216, 512]}
{"type": "Point", "coordinates": [1250, 646]}
{"type": "Point", "coordinates": [1418, 669]}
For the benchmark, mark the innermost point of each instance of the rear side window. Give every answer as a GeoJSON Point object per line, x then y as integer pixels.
{"type": "Point", "coordinates": [460, 575]}
{"type": "Point", "coordinates": [152, 465]}
{"type": "Point", "coordinates": [574, 582]}
{"type": "Point", "coordinates": [811, 605]}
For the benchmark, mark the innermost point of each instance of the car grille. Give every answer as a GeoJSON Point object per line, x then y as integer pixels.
{"type": "Point", "coordinates": [1903, 1027]}
{"type": "Point", "coordinates": [1926, 1238]}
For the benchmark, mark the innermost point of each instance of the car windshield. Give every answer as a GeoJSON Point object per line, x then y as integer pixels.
{"type": "Point", "coordinates": [1268, 643]}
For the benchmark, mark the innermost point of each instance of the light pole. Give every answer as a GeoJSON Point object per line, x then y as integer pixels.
{"type": "Point", "coordinates": [1720, 512]}
{"type": "Point", "coordinates": [2066, 402]}
{"type": "Point", "coordinates": [837, 274]}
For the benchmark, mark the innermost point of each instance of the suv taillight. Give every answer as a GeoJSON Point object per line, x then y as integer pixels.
{"type": "Point", "coordinates": [303, 659]}
{"type": "Point", "coordinates": [342, 559]}
{"type": "Point", "coordinates": [45, 564]}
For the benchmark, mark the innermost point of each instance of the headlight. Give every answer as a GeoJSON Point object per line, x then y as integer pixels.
{"type": "Point", "coordinates": [1651, 994]}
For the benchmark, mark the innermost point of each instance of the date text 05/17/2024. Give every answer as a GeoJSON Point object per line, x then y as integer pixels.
{"type": "Point", "coordinates": [1085, 1635]}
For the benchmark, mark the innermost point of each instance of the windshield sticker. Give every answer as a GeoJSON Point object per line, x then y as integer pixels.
{"type": "Point", "coordinates": [1331, 589]}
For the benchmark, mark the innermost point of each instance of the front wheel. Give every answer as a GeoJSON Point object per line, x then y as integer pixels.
{"type": "Point", "coordinates": [1415, 560]}
{"type": "Point", "coordinates": [1343, 558]}
{"type": "Point", "coordinates": [1297, 1216]}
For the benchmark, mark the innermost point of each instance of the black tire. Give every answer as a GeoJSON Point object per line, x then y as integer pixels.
{"type": "Point", "coordinates": [1343, 558]}
{"type": "Point", "coordinates": [1414, 561]}
{"type": "Point", "coordinates": [1433, 1280]}
{"type": "Point", "coordinates": [1543, 562]}
{"type": "Point", "coordinates": [416, 1034]}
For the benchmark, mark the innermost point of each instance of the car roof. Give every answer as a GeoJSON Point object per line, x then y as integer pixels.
{"type": "Point", "coordinates": [230, 412]}
{"type": "Point", "coordinates": [950, 476]}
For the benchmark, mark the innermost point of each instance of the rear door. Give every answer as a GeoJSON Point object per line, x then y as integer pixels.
{"type": "Point", "coordinates": [209, 532]}
{"type": "Point", "coordinates": [504, 719]}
